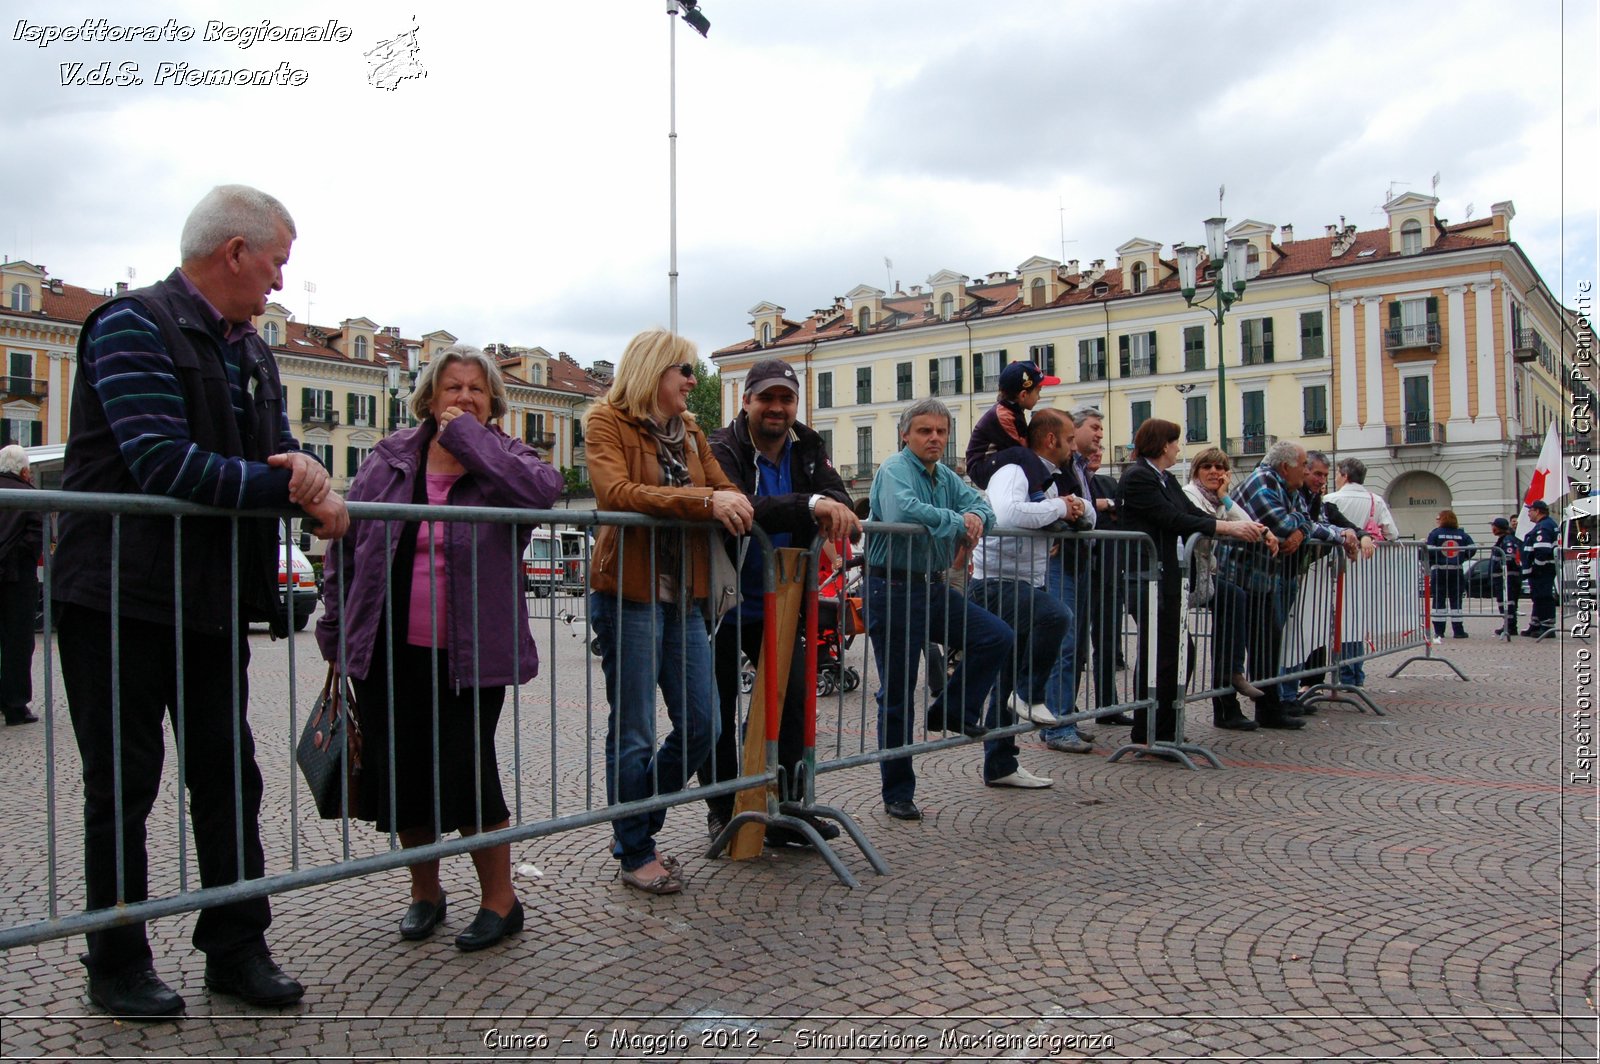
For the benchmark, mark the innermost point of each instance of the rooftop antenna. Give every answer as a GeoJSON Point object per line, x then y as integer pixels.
{"type": "Point", "coordinates": [888, 273]}
{"type": "Point", "coordinates": [1062, 206]}
{"type": "Point", "coordinates": [1436, 184]}
{"type": "Point", "coordinates": [1222, 190]}
{"type": "Point", "coordinates": [311, 290]}
{"type": "Point", "coordinates": [1392, 183]}
{"type": "Point", "coordinates": [1469, 212]}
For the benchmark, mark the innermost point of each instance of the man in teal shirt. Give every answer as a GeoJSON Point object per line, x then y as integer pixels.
{"type": "Point", "coordinates": [909, 604]}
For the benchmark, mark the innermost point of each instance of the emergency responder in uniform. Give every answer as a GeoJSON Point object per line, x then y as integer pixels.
{"type": "Point", "coordinates": [1539, 566]}
{"type": "Point", "coordinates": [1508, 586]}
{"type": "Point", "coordinates": [1448, 550]}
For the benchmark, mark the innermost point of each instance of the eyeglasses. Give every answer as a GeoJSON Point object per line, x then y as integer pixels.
{"type": "Point", "coordinates": [685, 368]}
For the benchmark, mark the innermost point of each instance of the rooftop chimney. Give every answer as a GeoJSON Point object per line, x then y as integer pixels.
{"type": "Point", "coordinates": [122, 286]}
{"type": "Point", "coordinates": [1288, 234]}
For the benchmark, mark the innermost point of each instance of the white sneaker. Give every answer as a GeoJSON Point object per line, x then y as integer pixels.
{"type": "Point", "coordinates": [1037, 712]}
{"type": "Point", "coordinates": [1021, 778]}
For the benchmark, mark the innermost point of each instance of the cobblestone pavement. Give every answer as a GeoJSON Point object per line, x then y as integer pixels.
{"type": "Point", "coordinates": [1416, 886]}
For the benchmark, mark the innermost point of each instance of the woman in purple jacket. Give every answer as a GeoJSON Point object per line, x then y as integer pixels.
{"type": "Point", "coordinates": [436, 658]}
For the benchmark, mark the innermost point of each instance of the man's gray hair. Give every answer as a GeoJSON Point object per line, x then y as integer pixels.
{"type": "Point", "coordinates": [428, 379]}
{"type": "Point", "coordinates": [1317, 456]}
{"type": "Point", "coordinates": [1085, 411]}
{"type": "Point", "coordinates": [1354, 470]}
{"type": "Point", "coordinates": [921, 407]}
{"type": "Point", "coordinates": [1282, 453]}
{"type": "Point", "coordinates": [13, 459]}
{"type": "Point", "coordinates": [228, 211]}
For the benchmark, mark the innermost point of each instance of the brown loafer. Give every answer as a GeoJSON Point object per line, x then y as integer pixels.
{"type": "Point", "coordinates": [665, 883]}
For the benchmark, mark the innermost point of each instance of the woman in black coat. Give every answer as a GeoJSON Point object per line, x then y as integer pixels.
{"type": "Point", "coordinates": [1150, 500]}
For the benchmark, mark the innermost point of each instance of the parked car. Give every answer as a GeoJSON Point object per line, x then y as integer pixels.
{"type": "Point", "coordinates": [554, 562]}
{"type": "Point", "coordinates": [297, 586]}
{"type": "Point", "coordinates": [1484, 579]}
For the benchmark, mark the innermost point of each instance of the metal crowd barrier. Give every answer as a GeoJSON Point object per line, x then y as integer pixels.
{"type": "Point", "coordinates": [555, 727]}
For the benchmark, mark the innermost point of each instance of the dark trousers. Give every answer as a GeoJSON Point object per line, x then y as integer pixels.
{"type": "Point", "coordinates": [1039, 621]}
{"type": "Point", "coordinates": [1542, 589]}
{"type": "Point", "coordinates": [1263, 624]}
{"type": "Point", "coordinates": [1447, 600]}
{"type": "Point", "coordinates": [1100, 625]}
{"type": "Point", "coordinates": [1168, 607]}
{"type": "Point", "coordinates": [18, 600]}
{"type": "Point", "coordinates": [1227, 645]}
{"type": "Point", "coordinates": [215, 700]}
{"type": "Point", "coordinates": [723, 764]}
{"type": "Point", "coordinates": [902, 617]}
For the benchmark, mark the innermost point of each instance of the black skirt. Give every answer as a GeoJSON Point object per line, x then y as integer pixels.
{"type": "Point", "coordinates": [467, 798]}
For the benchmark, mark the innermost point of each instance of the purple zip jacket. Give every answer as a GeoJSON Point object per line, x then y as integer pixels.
{"type": "Point", "coordinates": [502, 472]}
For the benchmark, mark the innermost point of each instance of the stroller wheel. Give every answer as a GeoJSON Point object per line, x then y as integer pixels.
{"type": "Point", "coordinates": [747, 680]}
{"type": "Point", "coordinates": [852, 678]}
{"type": "Point", "coordinates": [594, 646]}
{"type": "Point", "coordinates": [825, 684]}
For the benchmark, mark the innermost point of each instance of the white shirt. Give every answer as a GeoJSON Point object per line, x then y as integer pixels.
{"type": "Point", "coordinates": [1357, 503]}
{"type": "Point", "coordinates": [1018, 557]}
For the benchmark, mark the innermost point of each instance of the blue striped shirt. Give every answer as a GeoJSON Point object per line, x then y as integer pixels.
{"type": "Point", "coordinates": [126, 362]}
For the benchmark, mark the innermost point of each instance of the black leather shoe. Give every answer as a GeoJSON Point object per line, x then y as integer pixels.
{"type": "Point", "coordinates": [1236, 724]}
{"type": "Point", "coordinates": [255, 980]}
{"type": "Point", "coordinates": [826, 828]}
{"type": "Point", "coordinates": [936, 720]}
{"type": "Point", "coordinates": [781, 835]}
{"type": "Point", "coordinates": [906, 810]}
{"type": "Point", "coordinates": [24, 717]}
{"type": "Point", "coordinates": [974, 730]}
{"type": "Point", "coordinates": [134, 993]}
{"type": "Point", "coordinates": [489, 927]}
{"type": "Point", "coordinates": [716, 823]}
{"type": "Point", "coordinates": [1285, 723]}
{"type": "Point", "coordinates": [1120, 720]}
{"type": "Point", "coordinates": [422, 918]}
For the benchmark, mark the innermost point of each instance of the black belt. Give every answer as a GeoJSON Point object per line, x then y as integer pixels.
{"type": "Point", "coordinates": [904, 576]}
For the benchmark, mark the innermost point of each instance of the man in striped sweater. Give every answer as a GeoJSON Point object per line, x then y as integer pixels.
{"type": "Point", "coordinates": [176, 395]}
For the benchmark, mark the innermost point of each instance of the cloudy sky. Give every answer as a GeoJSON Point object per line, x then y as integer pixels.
{"type": "Point", "coordinates": [519, 191]}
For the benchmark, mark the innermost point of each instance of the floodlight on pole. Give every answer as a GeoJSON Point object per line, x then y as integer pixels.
{"type": "Point", "coordinates": [689, 11]}
{"type": "Point", "coordinates": [1228, 262]}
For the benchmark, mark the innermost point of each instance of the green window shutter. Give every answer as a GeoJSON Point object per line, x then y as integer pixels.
{"type": "Point", "coordinates": [305, 403]}
{"type": "Point", "coordinates": [1152, 351]}
{"type": "Point", "coordinates": [1394, 315]}
{"type": "Point", "coordinates": [977, 371]}
{"type": "Point", "coordinates": [958, 376]}
{"type": "Point", "coordinates": [350, 409]}
{"type": "Point", "coordinates": [933, 376]}
{"type": "Point", "coordinates": [35, 433]}
{"type": "Point", "coordinates": [1433, 311]}
{"type": "Point", "coordinates": [1003, 362]}
{"type": "Point", "coordinates": [1122, 355]}
{"type": "Point", "coordinates": [351, 462]}
{"type": "Point", "coordinates": [1266, 339]}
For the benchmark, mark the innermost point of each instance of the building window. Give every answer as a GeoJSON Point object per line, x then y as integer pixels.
{"type": "Point", "coordinates": [1252, 261]}
{"type": "Point", "coordinates": [363, 410]}
{"type": "Point", "coordinates": [1411, 237]}
{"type": "Point", "coordinates": [316, 404]}
{"type": "Point", "coordinates": [1136, 354]}
{"type": "Point", "coordinates": [863, 384]}
{"type": "Point", "coordinates": [1092, 359]}
{"type": "Point", "coordinates": [1314, 403]}
{"type": "Point", "coordinates": [1416, 404]}
{"type": "Point", "coordinates": [951, 456]}
{"type": "Point", "coordinates": [827, 441]}
{"type": "Point", "coordinates": [19, 383]}
{"type": "Point", "coordinates": [21, 297]}
{"type": "Point", "coordinates": [947, 306]}
{"type": "Point", "coordinates": [322, 452]}
{"type": "Point", "coordinates": [1254, 424]}
{"type": "Point", "coordinates": [269, 333]}
{"type": "Point", "coordinates": [1043, 356]}
{"type": "Point", "coordinates": [353, 457]}
{"type": "Point", "coordinates": [863, 319]}
{"type": "Point", "coordinates": [864, 445]}
{"type": "Point", "coordinates": [1194, 413]}
{"type": "Point", "coordinates": [1138, 277]}
{"type": "Point", "coordinates": [766, 333]}
{"type": "Point", "coordinates": [1255, 341]}
{"type": "Point", "coordinates": [986, 367]}
{"type": "Point", "coordinates": [1138, 414]}
{"type": "Point", "coordinates": [23, 431]}
{"type": "Point", "coordinates": [1036, 292]}
{"type": "Point", "coordinates": [1194, 347]}
{"type": "Point", "coordinates": [1413, 323]}
{"type": "Point", "coordinates": [1311, 334]}
{"type": "Point", "coordinates": [944, 376]}
{"type": "Point", "coordinates": [824, 390]}
{"type": "Point", "coordinates": [361, 348]}
{"type": "Point", "coordinates": [902, 380]}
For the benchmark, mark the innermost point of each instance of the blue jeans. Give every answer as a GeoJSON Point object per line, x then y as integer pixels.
{"type": "Point", "coordinates": [645, 645]}
{"type": "Point", "coordinates": [1353, 673]}
{"type": "Point", "coordinates": [1061, 689]}
{"type": "Point", "coordinates": [1040, 623]}
{"type": "Point", "coordinates": [902, 618]}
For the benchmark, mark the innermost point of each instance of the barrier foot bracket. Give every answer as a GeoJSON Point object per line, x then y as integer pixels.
{"type": "Point", "coordinates": [720, 844]}
{"type": "Point", "coordinates": [1178, 752]}
{"type": "Point", "coordinates": [846, 821]}
{"type": "Point", "coordinates": [1432, 660]}
{"type": "Point", "coordinates": [1338, 693]}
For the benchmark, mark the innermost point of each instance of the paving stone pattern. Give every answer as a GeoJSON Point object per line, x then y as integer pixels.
{"type": "Point", "coordinates": [1417, 886]}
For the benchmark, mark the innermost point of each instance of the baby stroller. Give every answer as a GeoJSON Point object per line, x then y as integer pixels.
{"type": "Point", "coordinates": [839, 621]}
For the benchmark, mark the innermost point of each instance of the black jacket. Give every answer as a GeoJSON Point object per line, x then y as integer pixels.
{"type": "Point", "coordinates": [810, 471]}
{"type": "Point", "coordinates": [21, 537]}
{"type": "Point", "coordinates": [1157, 506]}
{"type": "Point", "coordinates": [93, 462]}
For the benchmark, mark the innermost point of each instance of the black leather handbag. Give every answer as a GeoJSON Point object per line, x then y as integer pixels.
{"type": "Point", "coordinates": [329, 752]}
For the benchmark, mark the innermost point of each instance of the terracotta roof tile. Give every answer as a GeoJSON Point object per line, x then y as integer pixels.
{"type": "Point", "coordinates": [73, 304]}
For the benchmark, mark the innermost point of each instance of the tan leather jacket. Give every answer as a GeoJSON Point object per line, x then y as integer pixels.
{"type": "Point", "coordinates": [627, 477]}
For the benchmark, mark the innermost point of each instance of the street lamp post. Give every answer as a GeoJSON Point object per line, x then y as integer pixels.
{"type": "Point", "coordinates": [1227, 287]}
{"type": "Point", "coordinates": [392, 374]}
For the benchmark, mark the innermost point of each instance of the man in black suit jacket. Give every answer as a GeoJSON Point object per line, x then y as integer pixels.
{"type": "Point", "coordinates": [1151, 501]}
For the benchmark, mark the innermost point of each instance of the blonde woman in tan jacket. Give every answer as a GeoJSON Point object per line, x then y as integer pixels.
{"type": "Point", "coordinates": [648, 456]}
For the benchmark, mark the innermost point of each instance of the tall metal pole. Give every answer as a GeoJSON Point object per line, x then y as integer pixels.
{"type": "Point", "coordinates": [672, 161]}
{"type": "Point", "coordinates": [1222, 380]}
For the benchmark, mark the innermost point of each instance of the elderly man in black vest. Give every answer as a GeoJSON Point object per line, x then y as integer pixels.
{"type": "Point", "coordinates": [177, 395]}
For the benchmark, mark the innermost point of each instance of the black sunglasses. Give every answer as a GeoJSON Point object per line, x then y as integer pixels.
{"type": "Point", "coordinates": [685, 368]}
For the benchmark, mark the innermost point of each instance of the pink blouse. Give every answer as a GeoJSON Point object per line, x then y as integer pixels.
{"type": "Point", "coordinates": [427, 573]}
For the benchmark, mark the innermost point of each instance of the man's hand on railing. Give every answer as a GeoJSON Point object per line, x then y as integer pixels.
{"type": "Point", "coordinates": [331, 519]}
{"type": "Point", "coordinates": [308, 479]}
{"type": "Point", "coordinates": [835, 520]}
{"type": "Point", "coordinates": [1249, 531]}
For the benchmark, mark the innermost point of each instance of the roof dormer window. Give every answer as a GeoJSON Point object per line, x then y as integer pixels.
{"type": "Point", "coordinates": [1139, 277]}
{"type": "Point", "coordinates": [1252, 261]}
{"type": "Point", "coordinates": [947, 306]}
{"type": "Point", "coordinates": [766, 333]}
{"type": "Point", "coordinates": [1411, 237]}
{"type": "Point", "coordinates": [863, 319]}
{"type": "Point", "coordinates": [269, 333]}
{"type": "Point", "coordinates": [21, 298]}
{"type": "Point", "coordinates": [361, 348]}
{"type": "Point", "coordinates": [1036, 292]}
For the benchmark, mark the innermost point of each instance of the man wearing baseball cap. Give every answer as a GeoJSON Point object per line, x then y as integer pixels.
{"type": "Point", "coordinates": [1005, 425]}
{"type": "Point", "coordinates": [784, 468]}
{"type": "Point", "coordinates": [1539, 566]}
{"type": "Point", "coordinates": [1508, 583]}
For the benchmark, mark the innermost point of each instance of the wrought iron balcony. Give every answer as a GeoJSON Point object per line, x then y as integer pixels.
{"type": "Point", "coordinates": [1416, 434]}
{"type": "Point", "coordinates": [1316, 426]}
{"type": "Point", "coordinates": [25, 388]}
{"type": "Point", "coordinates": [1253, 442]}
{"type": "Point", "coordinates": [313, 416]}
{"type": "Point", "coordinates": [1255, 355]}
{"type": "Point", "coordinates": [1527, 346]}
{"type": "Point", "coordinates": [540, 441]}
{"type": "Point", "coordinates": [1407, 337]}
